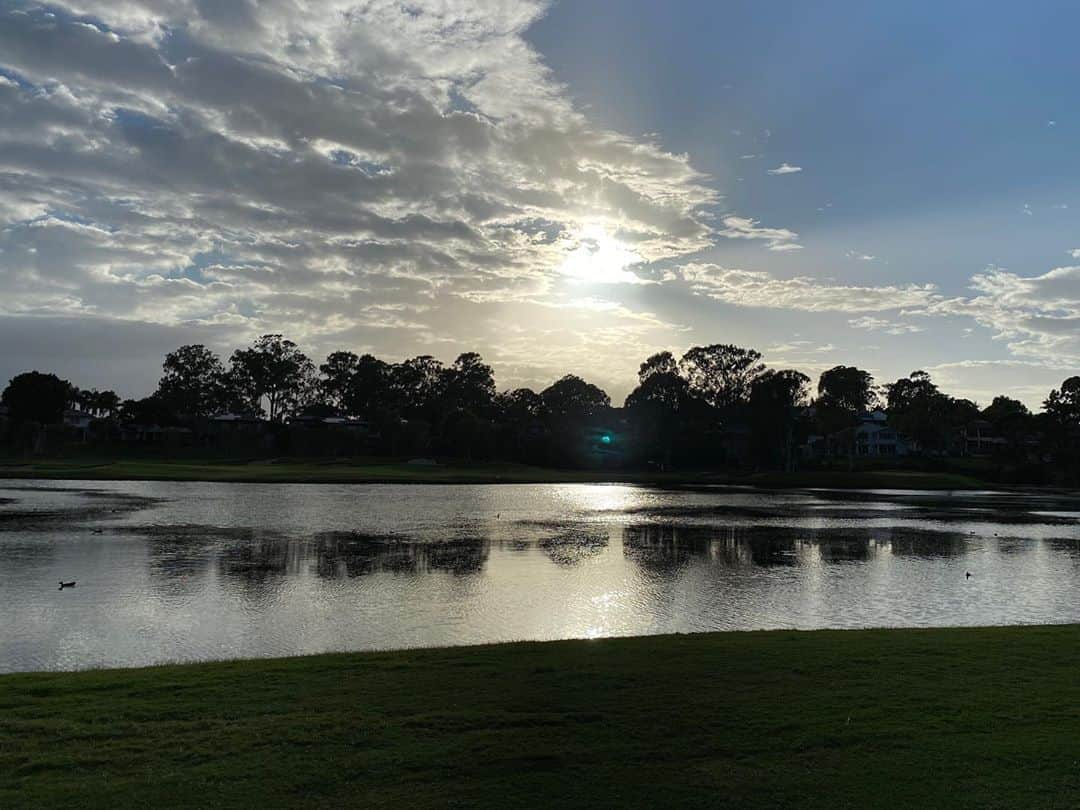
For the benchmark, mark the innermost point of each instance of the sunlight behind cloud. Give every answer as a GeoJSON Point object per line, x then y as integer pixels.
{"type": "Point", "coordinates": [600, 258]}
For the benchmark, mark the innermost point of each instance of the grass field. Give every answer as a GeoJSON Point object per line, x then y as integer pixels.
{"type": "Point", "coordinates": [923, 718]}
{"type": "Point", "coordinates": [396, 471]}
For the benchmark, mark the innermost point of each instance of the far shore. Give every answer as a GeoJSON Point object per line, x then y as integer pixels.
{"type": "Point", "coordinates": [396, 471]}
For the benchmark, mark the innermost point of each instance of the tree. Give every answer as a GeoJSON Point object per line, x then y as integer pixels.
{"type": "Point", "coordinates": [659, 363]}
{"type": "Point", "coordinates": [469, 384]}
{"type": "Point", "coordinates": [36, 397]}
{"type": "Point", "coordinates": [273, 369]}
{"type": "Point", "coordinates": [151, 410]}
{"type": "Point", "coordinates": [1011, 420]}
{"type": "Point", "coordinates": [918, 408]}
{"type": "Point", "coordinates": [337, 377]}
{"type": "Point", "coordinates": [520, 405]}
{"type": "Point", "coordinates": [721, 374]}
{"type": "Point", "coordinates": [572, 397]}
{"type": "Point", "coordinates": [193, 384]}
{"type": "Point", "coordinates": [846, 388]}
{"type": "Point", "coordinates": [1004, 410]}
{"type": "Point", "coordinates": [1063, 404]}
{"type": "Point", "coordinates": [367, 389]}
{"type": "Point", "coordinates": [107, 403]}
{"type": "Point", "coordinates": [416, 385]}
{"type": "Point", "coordinates": [775, 397]}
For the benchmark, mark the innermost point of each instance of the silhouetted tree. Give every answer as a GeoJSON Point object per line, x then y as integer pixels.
{"type": "Point", "coordinates": [655, 406]}
{"type": "Point", "coordinates": [469, 384]}
{"type": "Point", "coordinates": [659, 363]}
{"type": "Point", "coordinates": [721, 374]}
{"type": "Point", "coordinates": [367, 390]}
{"type": "Point", "coordinates": [1063, 404]}
{"type": "Point", "coordinates": [338, 373]}
{"type": "Point", "coordinates": [919, 409]}
{"type": "Point", "coordinates": [36, 397]}
{"type": "Point", "coordinates": [151, 410]}
{"type": "Point", "coordinates": [572, 397]}
{"type": "Point", "coordinates": [273, 369]}
{"type": "Point", "coordinates": [416, 386]}
{"type": "Point", "coordinates": [194, 382]}
{"type": "Point", "coordinates": [846, 388]}
{"type": "Point", "coordinates": [775, 399]}
{"type": "Point", "coordinates": [520, 404]}
{"type": "Point", "coordinates": [1011, 420]}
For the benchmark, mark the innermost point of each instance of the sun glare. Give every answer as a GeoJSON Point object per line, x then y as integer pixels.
{"type": "Point", "coordinates": [600, 258]}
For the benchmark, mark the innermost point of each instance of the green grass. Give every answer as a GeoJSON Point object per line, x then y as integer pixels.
{"type": "Point", "coordinates": [369, 470]}
{"type": "Point", "coordinates": [925, 718]}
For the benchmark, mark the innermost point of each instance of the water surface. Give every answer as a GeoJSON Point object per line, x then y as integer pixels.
{"type": "Point", "coordinates": [191, 571]}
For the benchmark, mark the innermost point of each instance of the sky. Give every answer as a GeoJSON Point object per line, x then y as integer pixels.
{"type": "Point", "coordinates": [562, 187]}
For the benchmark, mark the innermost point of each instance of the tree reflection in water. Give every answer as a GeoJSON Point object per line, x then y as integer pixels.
{"type": "Point", "coordinates": [572, 546]}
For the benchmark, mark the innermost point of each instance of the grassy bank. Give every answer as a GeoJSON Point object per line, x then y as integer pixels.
{"type": "Point", "coordinates": [391, 471]}
{"type": "Point", "coordinates": [976, 718]}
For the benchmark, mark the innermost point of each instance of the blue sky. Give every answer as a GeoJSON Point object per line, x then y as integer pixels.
{"type": "Point", "coordinates": [562, 187]}
{"type": "Point", "coordinates": [938, 139]}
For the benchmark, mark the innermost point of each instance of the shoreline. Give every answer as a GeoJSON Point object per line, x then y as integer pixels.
{"type": "Point", "coordinates": [309, 471]}
{"type": "Point", "coordinates": [927, 717]}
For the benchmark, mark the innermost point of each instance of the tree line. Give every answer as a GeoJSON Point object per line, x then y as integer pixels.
{"type": "Point", "coordinates": [713, 402]}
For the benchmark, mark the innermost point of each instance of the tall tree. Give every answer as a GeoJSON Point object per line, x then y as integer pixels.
{"type": "Point", "coordinates": [469, 384]}
{"type": "Point", "coordinates": [775, 399]}
{"type": "Point", "coordinates": [337, 377]}
{"type": "Point", "coordinates": [846, 388]}
{"type": "Point", "coordinates": [416, 386]}
{"type": "Point", "coordinates": [276, 370]}
{"type": "Point", "coordinates": [520, 405]}
{"type": "Point", "coordinates": [367, 390]}
{"type": "Point", "coordinates": [36, 397]}
{"type": "Point", "coordinates": [1063, 404]}
{"type": "Point", "coordinates": [919, 409]}
{"type": "Point", "coordinates": [572, 397]}
{"type": "Point", "coordinates": [721, 374]}
{"type": "Point", "coordinates": [193, 383]}
{"type": "Point", "coordinates": [659, 363]}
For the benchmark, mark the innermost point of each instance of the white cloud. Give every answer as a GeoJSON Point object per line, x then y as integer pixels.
{"type": "Point", "coordinates": [758, 289]}
{"type": "Point", "coordinates": [860, 256]}
{"type": "Point", "coordinates": [1036, 316]}
{"type": "Point", "coordinates": [785, 168]}
{"type": "Point", "coordinates": [736, 227]}
{"type": "Point", "coordinates": [1075, 253]}
{"type": "Point", "coordinates": [310, 166]}
{"type": "Point", "coordinates": [884, 325]}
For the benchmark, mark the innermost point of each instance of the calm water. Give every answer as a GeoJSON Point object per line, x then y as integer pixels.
{"type": "Point", "coordinates": [170, 572]}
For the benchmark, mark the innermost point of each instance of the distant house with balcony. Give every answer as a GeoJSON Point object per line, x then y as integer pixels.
{"type": "Point", "coordinates": [979, 438]}
{"type": "Point", "coordinates": [875, 437]}
{"type": "Point", "coordinates": [870, 437]}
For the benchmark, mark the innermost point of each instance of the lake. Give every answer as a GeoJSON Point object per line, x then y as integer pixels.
{"type": "Point", "coordinates": [194, 571]}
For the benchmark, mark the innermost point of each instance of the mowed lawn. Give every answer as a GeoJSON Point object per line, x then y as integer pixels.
{"type": "Point", "coordinates": [934, 718]}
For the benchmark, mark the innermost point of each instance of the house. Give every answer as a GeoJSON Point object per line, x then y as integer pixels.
{"type": "Point", "coordinates": [980, 439]}
{"type": "Point", "coordinates": [870, 437]}
{"type": "Point", "coordinates": [874, 437]}
{"type": "Point", "coordinates": [78, 422]}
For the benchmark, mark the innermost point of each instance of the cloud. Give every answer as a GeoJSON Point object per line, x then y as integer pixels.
{"type": "Point", "coordinates": [1075, 253]}
{"type": "Point", "coordinates": [366, 174]}
{"type": "Point", "coordinates": [759, 289]}
{"type": "Point", "coordinates": [1036, 316]}
{"type": "Point", "coordinates": [785, 168]}
{"type": "Point", "coordinates": [736, 227]}
{"type": "Point", "coordinates": [862, 257]}
{"type": "Point", "coordinates": [884, 325]}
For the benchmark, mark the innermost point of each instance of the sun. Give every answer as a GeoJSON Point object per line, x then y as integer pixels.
{"type": "Point", "coordinates": [600, 258]}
